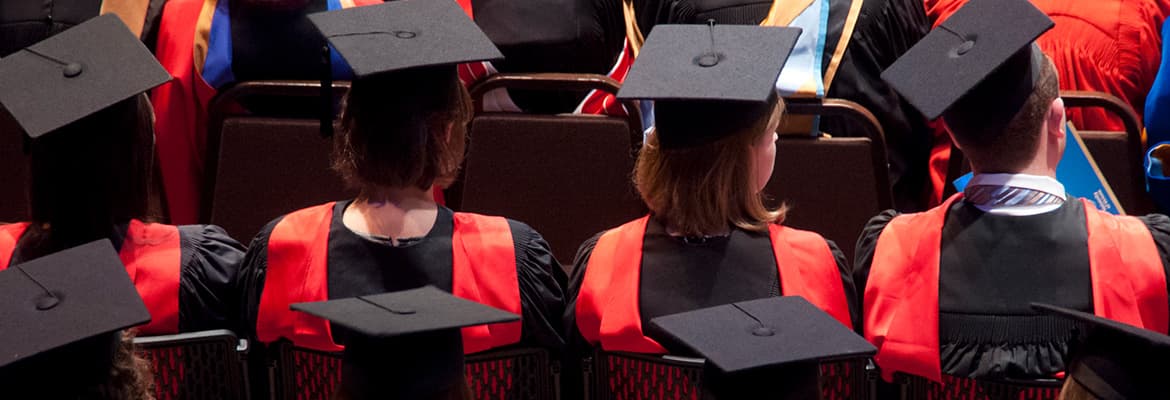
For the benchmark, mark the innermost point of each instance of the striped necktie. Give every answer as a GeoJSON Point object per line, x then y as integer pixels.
{"type": "Point", "coordinates": [1008, 196]}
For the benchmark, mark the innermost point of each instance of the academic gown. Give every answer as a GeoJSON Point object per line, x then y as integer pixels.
{"type": "Point", "coordinates": [681, 274]}
{"type": "Point", "coordinates": [209, 262]}
{"type": "Point", "coordinates": [565, 36]}
{"type": "Point", "coordinates": [359, 265]}
{"type": "Point", "coordinates": [885, 29]}
{"type": "Point", "coordinates": [990, 268]}
{"type": "Point", "coordinates": [23, 23]}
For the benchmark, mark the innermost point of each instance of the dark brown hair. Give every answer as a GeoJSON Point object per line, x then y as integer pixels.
{"type": "Point", "coordinates": [998, 147]}
{"type": "Point", "coordinates": [403, 129]}
{"type": "Point", "coordinates": [104, 367]}
{"type": "Point", "coordinates": [89, 176]}
{"type": "Point", "coordinates": [704, 189]}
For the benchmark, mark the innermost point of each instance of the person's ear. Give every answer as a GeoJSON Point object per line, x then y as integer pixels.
{"type": "Point", "coordinates": [1055, 120]}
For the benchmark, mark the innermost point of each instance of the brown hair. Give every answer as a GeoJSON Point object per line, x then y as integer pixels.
{"type": "Point", "coordinates": [704, 189]}
{"type": "Point", "coordinates": [403, 129]}
{"type": "Point", "coordinates": [103, 367]}
{"type": "Point", "coordinates": [1009, 147]}
{"type": "Point", "coordinates": [132, 377]}
{"type": "Point", "coordinates": [88, 177]}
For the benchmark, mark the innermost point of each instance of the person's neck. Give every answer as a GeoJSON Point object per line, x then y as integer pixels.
{"type": "Point", "coordinates": [1036, 167]}
{"type": "Point", "coordinates": [392, 212]}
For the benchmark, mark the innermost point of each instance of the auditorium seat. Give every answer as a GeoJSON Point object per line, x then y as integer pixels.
{"type": "Point", "coordinates": [512, 373]}
{"type": "Point", "coordinates": [261, 166]}
{"type": "Point", "coordinates": [1119, 155]}
{"type": "Point", "coordinates": [568, 176]}
{"type": "Point", "coordinates": [832, 185]}
{"type": "Point", "coordinates": [14, 167]}
{"type": "Point", "coordinates": [618, 376]}
{"type": "Point", "coordinates": [197, 365]}
{"type": "Point", "coordinates": [954, 388]}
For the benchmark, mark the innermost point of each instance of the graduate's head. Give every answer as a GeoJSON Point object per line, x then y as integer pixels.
{"type": "Point", "coordinates": [1002, 131]}
{"type": "Point", "coordinates": [94, 172]}
{"type": "Point", "coordinates": [716, 110]}
{"type": "Point", "coordinates": [997, 93]}
{"type": "Point", "coordinates": [703, 166]}
{"type": "Point", "coordinates": [66, 319]}
{"type": "Point", "coordinates": [403, 129]}
{"type": "Point", "coordinates": [405, 118]}
{"type": "Point", "coordinates": [403, 345]}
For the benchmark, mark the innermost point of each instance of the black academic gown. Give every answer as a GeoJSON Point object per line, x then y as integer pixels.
{"type": "Point", "coordinates": [680, 274]}
{"type": "Point", "coordinates": [885, 30]}
{"type": "Point", "coordinates": [209, 262]}
{"type": "Point", "coordinates": [990, 268]}
{"type": "Point", "coordinates": [567, 36]}
{"type": "Point", "coordinates": [360, 265]}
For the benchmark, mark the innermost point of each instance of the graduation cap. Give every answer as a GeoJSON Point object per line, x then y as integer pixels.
{"type": "Point", "coordinates": [1114, 360]}
{"type": "Point", "coordinates": [774, 344]}
{"type": "Point", "coordinates": [404, 344]}
{"type": "Point", "coordinates": [708, 82]}
{"type": "Point", "coordinates": [61, 314]}
{"type": "Point", "coordinates": [404, 34]}
{"type": "Point", "coordinates": [76, 73]}
{"type": "Point", "coordinates": [982, 55]}
{"type": "Point", "coordinates": [396, 36]}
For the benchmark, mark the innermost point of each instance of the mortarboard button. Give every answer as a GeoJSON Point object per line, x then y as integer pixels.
{"type": "Point", "coordinates": [71, 70]}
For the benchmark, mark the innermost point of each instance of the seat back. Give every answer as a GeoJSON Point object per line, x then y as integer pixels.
{"type": "Point", "coordinates": [197, 365]}
{"type": "Point", "coordinates": [1118, 155]}
{"type": "Point", "coordinates": [261, 167]}
{"type": "Point", "coordinates": [955, 388]}
{"type": "Point", "coordinates": [14, 167]}
{"type": "Point", "coordinates": [568, 176]}
{"type": "Point", "coordinates": [625, 376]}
{"type": "Point", "coordinates": [832, 186]}
{"type": "Point", "coordinates": [516, 373]}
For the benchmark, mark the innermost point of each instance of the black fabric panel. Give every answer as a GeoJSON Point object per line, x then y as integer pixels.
{"type": "Point", "coordinates": [209, 264]}
{"type": "Point", "coordinates": [271, 44]}
{"type": "Point", "coordinates": [25, 22]}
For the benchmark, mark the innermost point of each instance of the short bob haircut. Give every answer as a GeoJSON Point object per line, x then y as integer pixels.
{"type": "Point", "coordinates": [403, 129]}
{"type": "Point", "coordinates": [706, 189]}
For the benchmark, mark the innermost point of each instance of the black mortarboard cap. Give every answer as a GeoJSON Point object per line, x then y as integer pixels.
{"type": "Point", "coordinates": [777, 342]}
{"type": "Point", "coordinates": [64, 298]}
{"type": "Point", "coordinates": [1114, 360]}
{"type": "Point", "coordinates": [404, 34]}
{"type": "Point", "coordinates": [708, 81]}
{"type": "Point", "coordinates": [76, 73]}
{"type": "Point", "coordinates": [986, 43]}
{"type": "Point", "coordinates": [404, 344]}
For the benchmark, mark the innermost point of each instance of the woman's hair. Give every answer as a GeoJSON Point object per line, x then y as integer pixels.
{"type": "Point", "coordinates": [89, 176]}
{"type": "Point", "coordinates": [403, 129]}
{"type": "Point", "coordinates": [132, 377]}
{"type": "Point", "coordinates": [704, 189]}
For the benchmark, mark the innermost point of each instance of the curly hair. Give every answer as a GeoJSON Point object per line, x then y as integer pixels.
{"type": "Point", "coordinates": [103, 367]}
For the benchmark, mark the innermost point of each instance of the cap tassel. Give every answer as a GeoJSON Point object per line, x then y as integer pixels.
{"type": "Point", "coordinates": [711, 58]}
{"type": "Point", "coordinates": [46, 302]}
{"type": "Point", "coordinates": [326, 93]}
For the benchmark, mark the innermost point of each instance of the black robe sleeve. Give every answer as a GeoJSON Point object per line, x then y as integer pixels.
{"type": "Point", "coordinates": [210, 261]}
{"type": "Point", "coordinates": [251, 281]}
{"type": "Point", "coordinates": [542, 282]}
{"type": "Point", "coordinates": [577, 347]}
{"type": "Point", "coordinates": [1159, 226]}
{"type": "Point", "coordinates": [863, 257]}
{"type": "Point", "coordinates": [846, 272]}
